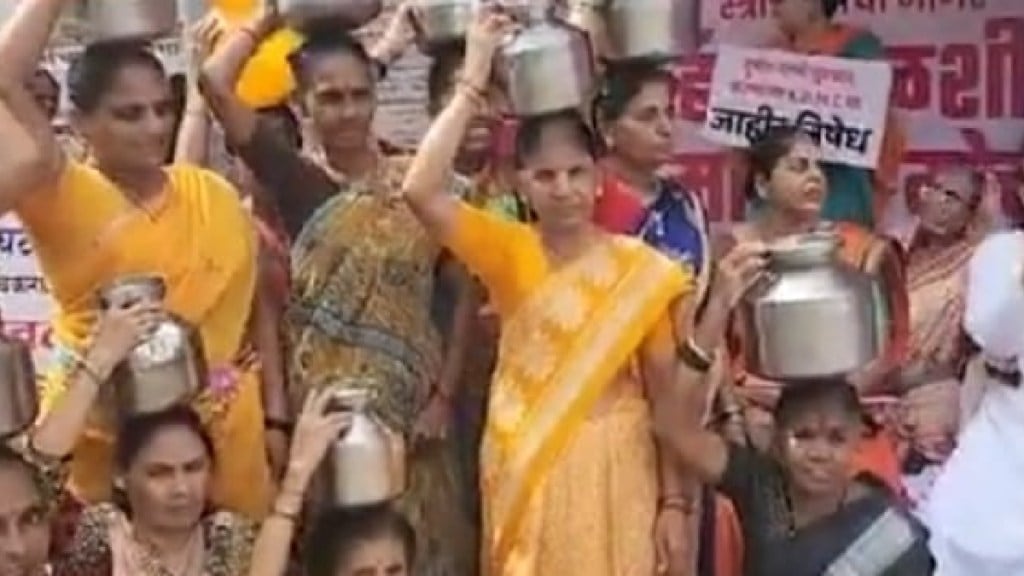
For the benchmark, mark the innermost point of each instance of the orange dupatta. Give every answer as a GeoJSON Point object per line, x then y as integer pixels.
{"type": "Point", "coordinates": [559, 352]}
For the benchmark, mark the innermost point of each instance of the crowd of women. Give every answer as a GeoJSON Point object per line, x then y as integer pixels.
{"type": "Point", "coordinates": [545, 321]}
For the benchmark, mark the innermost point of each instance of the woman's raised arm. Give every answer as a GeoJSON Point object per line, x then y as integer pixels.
{"type": "Point", "coordinates": [220, 74]}
{"type": "Point", "coordinates": [427, 181]}
{"type": "Point", "coordinates": [119, 331]}
{"type": "Point", "coordinates": [316, 430]}
{"type": "Point", "coordinates": [32, 159]}
{"type": "Point", "coordinates": [24, 36]}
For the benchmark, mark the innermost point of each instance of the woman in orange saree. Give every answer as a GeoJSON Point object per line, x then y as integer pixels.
{"type": "Point", "coordinates": [569, 467]}
{"type": "Point", "coordinates": [855, 194]}
{"type": "Point", "coordinates": [127, 214]}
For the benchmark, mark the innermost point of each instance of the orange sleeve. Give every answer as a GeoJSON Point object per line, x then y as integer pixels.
{"type": "Point", "coordinates": [66, 220]}
{"type": "Point", "coordinates": [662, 337]}
{"type": "Point", "coordinates": [52, 214]}
{"type": "Point", "coordinates": [485, 243]}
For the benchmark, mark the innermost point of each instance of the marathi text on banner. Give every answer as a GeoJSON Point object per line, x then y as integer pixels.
{"type": "Point", "coordinates": [840, 103]}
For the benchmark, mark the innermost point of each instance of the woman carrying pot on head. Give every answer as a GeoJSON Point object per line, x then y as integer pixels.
{"type": "Point", "coordinates": [569, 468]}
{"type": "Point", "coordinates": [374, 539]}
{"type": "Point", "coordinates": [363, 269]}
{"type": "Point", "coordinates": [789, 182]}
{"type": "Point", "coordinates": [802, 513]}
{"type": "Point", "coordinates": [127, 214]}
{"type": "Point", "coordinates": [484, 168]}
{"type": "Point", "coordinates": [164, 462]}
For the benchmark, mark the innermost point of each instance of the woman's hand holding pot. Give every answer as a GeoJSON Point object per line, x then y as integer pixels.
{"type": "Point", "coordinates": [488, 31]}
{"type": "Point", "coordinates": [315, 432]}
{"type": "Point", "coordinates": [118, 332]}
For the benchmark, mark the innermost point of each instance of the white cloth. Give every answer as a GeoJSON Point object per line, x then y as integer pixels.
{"type": "Point", "coordinates": [994, 309]}
{"type": "Point", "coordinates": [976, 509]}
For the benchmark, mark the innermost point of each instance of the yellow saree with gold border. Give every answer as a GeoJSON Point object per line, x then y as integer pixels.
{"type": "Point", "coordinates": [567, 485]}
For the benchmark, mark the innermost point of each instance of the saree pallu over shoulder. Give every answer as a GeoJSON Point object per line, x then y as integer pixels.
{"type": "Point", "coordinates": [197, 237]}
{"type": "Point", "coordinates": [559, 352]}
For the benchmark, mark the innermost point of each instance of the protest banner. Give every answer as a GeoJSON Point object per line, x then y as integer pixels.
{"type": "Point", "coordinates": [958, 66]}
{"type": "Point", "coordinates": [839, 103]}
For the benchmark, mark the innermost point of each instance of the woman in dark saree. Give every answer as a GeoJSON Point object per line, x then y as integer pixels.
{"type": "Point", "coordinates": [801, 513]}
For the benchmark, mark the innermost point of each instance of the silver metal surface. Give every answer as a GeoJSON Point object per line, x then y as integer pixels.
{"type": "Point", "coordinates": [115, 20]}
{"type": "Point", "coordinates": [351, 14]}
{"type": "Point", "coordinates": [167, 368]}
{"type": "Point", "coordinates": [19, 401]}
{"type": "Point", "coordinates": [366, 465]}
{"type": "Point", "coordinates": [816, 317]}
{"type": "Point", "coordinates": [652, 28]}
{"type": "Point", "coordinates": [547, 67]}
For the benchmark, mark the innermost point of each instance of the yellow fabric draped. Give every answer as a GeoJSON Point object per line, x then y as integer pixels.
{"type": "Point", "coordinates": [568, 335]}
{"type": "Point", "coordinates": [196, 236]}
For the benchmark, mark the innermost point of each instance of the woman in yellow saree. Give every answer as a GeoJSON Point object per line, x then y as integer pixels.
{"type": "Point", "coordinates": [569, 467]}
{"type": "Point", "coordinates": [127, 214]}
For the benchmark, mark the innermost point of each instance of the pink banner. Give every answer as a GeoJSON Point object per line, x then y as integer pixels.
{"type": "Point", "coordinates": [958, 78]}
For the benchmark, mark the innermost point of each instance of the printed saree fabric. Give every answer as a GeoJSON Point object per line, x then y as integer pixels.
{"type": "Point", "coordinates": [198, 237]}
{"type": "Point", "coordinates": [363, 277]}
{"type": "Point", "coordinates": [567, 334]}
{"type": "Point", "coordinates": [674, 223]}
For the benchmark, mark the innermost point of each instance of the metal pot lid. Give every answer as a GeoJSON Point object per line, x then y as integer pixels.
{"type": "Point", "coordinates": [994, 311]}
{"type": "Point", "coordinates": [149, 285]}
{"type": "Point", "coordinates": [804, 249]}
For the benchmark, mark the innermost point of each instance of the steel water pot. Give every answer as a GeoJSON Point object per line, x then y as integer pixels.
{"type": "Point", "coordinates": [816, 317]}
{"type": "Point", "coordinates": [651, 28]}
{"type": "Point", "coordinates": [167, 368]}
{"type": "Point", "coordinates": [350, 14]}
{"type": "Point", "coordinates": [366, 464]}
{"type": "Point", "coordinates": [19, 400]}
{"type": "Point", "coordinates": [121, 20]}
{"type": "Point", "coordinates": [547, 67]}
{"type": "Point", "coordinates": [442, 23]}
